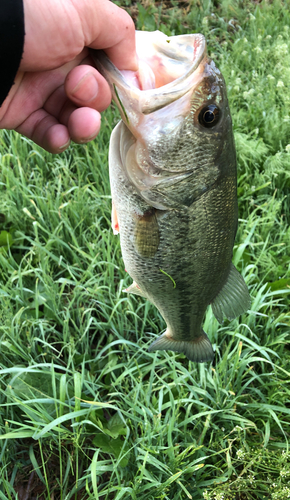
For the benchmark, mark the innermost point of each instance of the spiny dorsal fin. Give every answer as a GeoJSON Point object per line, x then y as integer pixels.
{"type": "Point", "coordinates": [233, 299]}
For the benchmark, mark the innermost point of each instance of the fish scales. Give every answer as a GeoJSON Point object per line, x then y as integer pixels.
{"type": "Point", "coordinates": [174, 188]}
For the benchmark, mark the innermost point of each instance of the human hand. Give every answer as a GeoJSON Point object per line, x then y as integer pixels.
{"type": "Point", "coordinates": [58, 95]}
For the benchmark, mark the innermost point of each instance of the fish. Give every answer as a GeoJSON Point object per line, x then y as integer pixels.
{"type": "Point", "coordinates": [173, 177]}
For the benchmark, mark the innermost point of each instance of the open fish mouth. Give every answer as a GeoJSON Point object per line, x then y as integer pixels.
{"type": "Point", "coordinates": [169, 67]}
{"type": "Point", "coordinates": [154, 102]}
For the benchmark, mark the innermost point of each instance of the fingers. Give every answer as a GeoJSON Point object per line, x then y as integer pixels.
{"type": "Point", "coordinates": [84, 124]}
{"type": "Point", "coordinates": [47, 114]}
{"type": "Point", "coordinates": [45, 130]}
{"type": "Point", "coordinates": [86, 87]}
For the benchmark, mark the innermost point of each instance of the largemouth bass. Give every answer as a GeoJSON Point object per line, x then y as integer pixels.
{"type": "Point", "coordinates": [173, 180]}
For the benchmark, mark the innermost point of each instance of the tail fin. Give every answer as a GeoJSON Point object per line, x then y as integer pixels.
{"type": "Point", "coordinates": [198, 350]}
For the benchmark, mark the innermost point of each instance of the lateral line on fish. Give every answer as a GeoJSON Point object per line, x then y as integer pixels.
{"type": "Point", "coordinates": [166, 274]}
{"type": "Point", "coordinates": [121, 104]}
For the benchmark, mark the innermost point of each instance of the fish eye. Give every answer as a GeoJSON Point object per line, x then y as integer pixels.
{"type": "Point", "coordinates": [209, 116]}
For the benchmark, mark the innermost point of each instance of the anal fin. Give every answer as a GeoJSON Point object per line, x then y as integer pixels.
{"type": "Point", "coordinates": [198, 350]}
{"type": "Point", "coordinates": [233, 299]}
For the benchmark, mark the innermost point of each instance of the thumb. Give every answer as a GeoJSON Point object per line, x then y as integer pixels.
{"type": "Point", "coordinates": [110, 28]}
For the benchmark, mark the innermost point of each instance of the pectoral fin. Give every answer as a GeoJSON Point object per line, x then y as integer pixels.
{"type": "Point", "coordinates": [146, 234]}
{"type": "Point", "coordinates": [233, 299]}
{"type": "Point", "coordinates": [115, 223]}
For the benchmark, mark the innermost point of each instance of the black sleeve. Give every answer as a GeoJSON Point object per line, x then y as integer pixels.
{"type": "Point", "coordinates": [11, 43]}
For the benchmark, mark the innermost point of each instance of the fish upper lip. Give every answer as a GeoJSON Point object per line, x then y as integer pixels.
{"type": "Point", "coordinates": [152, 99]}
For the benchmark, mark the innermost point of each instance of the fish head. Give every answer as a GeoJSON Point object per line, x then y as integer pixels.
{"type": "Point", "coordinates": [176, 110]}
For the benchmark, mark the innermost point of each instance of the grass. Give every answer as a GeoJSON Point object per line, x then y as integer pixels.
{"type": "Point", "coordinates": [86, 411]}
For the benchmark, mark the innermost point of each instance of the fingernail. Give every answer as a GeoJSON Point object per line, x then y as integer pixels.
{"type": "Point", "coordinates": [64, 146]}
{"type": "Point", "coordinates": [87, 88]}
{"type": "Point", "coordinates": [88, 139]}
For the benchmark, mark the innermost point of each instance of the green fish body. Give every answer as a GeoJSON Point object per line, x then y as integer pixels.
{"type": "Point", "coordinates": [174, 187]}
